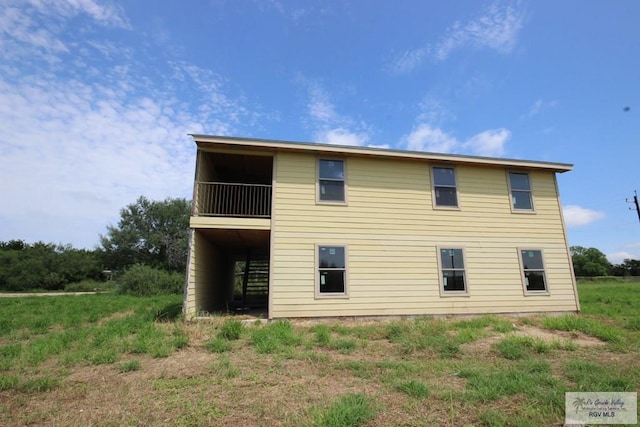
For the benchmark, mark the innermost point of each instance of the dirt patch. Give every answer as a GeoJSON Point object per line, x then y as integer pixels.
{"type": "Point", "coordinates": [92, 395]}
{"type": "Point", "coordinates": [579, 339]}
{"type": "Point", "coordinates": [42, 294]}
{"type": "Point", "coordinates": [185, 363]}
{"type": "Point", "coordinates": [114, 316]}
{"type": "Point", "coordinates": [483, 345]}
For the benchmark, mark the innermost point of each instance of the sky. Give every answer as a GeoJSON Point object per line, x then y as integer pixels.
{"type": "Point", "coordinates": [98, 97]}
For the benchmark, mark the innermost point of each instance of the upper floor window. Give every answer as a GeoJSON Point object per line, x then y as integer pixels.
{"type": "Point", "coordinates": [444, 187]}
{"type": "Point", "coordinates": [331, 180]}
{"type": "Point", "coordinates": [332, 271]}
{"type": "Point", "coordinates": [452, 270]}
{"type": "Point", "coordinates": [533, 270]}
{"type": "Point", "coordinates": [520, 188]}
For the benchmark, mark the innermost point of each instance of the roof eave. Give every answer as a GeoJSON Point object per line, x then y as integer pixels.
{"type": "Point", "coordinates": [276, 145]}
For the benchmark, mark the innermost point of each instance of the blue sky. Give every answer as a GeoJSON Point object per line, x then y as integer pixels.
{"type": "Point", "coordinates": [97, 97]}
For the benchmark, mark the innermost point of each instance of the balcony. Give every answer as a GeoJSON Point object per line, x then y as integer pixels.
{"type": "Point", "coordinates": [223, 199]}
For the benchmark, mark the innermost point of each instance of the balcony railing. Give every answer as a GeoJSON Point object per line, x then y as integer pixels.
{"type": "Point", "coordinates": [239, 200]}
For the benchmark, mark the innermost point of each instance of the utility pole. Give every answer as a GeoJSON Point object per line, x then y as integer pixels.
{"type": "Point", "coordinates": [635, 202]}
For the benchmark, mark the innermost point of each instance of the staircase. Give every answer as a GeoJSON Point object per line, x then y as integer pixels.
{"type": "Point", "coordinates": [255, 283]}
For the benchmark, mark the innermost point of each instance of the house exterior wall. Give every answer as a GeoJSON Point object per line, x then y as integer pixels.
{"type": "Point", "coordinates": [204, 268]}
{"type": "Point", "coordinates": [392, 231]}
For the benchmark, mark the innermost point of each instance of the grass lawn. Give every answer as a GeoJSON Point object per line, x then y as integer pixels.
{"type": "Point", "coordinates": [113, 360]}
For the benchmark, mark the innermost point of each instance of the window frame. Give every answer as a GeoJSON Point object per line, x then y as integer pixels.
{"type": "Point", "coordinates": [317, 269]}
{"type": "Point", "coordinates": [343, 180]}
{"type": "Point", "coordinates": [455, 186]}
{"type": "Point", "coordinates": [443, 292]}
{"type": "Point", "coordinates": [523, 277]}
{"type": "Point", "coordinates": [530, 191]}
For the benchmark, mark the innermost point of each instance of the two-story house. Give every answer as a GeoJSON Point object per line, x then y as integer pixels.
{"type": "Point", "coordinates": [313, 230]}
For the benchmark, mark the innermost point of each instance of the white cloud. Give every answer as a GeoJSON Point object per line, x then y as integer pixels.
{"type": "Point", "coordinates": [535, 108]}
{"type": "Point", "coordinates": [424, 137]}
{"type": "Point", "coordinates": [631, 253]}
{"type": "Point", "coordinates": [341, 136]}
{"type": "Point", "coordinates": [330, 127]}
{"type": "Point", "coordinates": [321, 109]}
{"type": "Point", "coordinates": [408, 60]}
{"type": "Point", "coordinates": [103, 12]}
{"type": "Point", "coordinates": [576, 216]}
{"type": "Point", "coordinates": [71, 153]}
{"type": "Point", "coordinates": [488, 143]}
{"type": "Point", "coordinates": [619, 257]}
{"type": "Point", "coordinates": [434, 111]}
{"type": "Point", "coordinates": [36, 27]}
{"type": "Point", "coordinates": [538, 106]}
{"type": "Point", "coordinates": [294, 12]}
{"type": "Point", "coordinates": [496, 28]}
{"type": "Point", "coordinates": [78, 144]}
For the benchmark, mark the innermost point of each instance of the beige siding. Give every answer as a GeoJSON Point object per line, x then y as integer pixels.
{"type": "Point", "coordinates": [392, 230]}
{"type": "Point", "coordinates": [204, 172]}
{"type": "Point", "coordinates": [230, 223]}
{"type": "Point", "coordinates": [202, 275]}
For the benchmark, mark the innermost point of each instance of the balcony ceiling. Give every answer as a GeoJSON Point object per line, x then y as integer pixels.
{"type": "Point", "coordinates": [245, 169]}
{"type": "Point", "coordinates": [232, 241]}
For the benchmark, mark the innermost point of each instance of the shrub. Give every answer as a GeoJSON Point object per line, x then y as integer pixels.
{"type": "Point", "coordinates": [143, 280]}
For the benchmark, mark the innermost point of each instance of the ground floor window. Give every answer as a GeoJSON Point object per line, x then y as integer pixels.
{"type": "Point", "coordinates": [452, 277]}
{"type": "Point", "coordinates": [533, 270]}
{"type": "Point", "coordinates": [332, 270]}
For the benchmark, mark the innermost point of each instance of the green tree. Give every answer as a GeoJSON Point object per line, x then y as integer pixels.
{"type": "Point", "coordinates": [629, 267]}
{"type": "Point", "coordinates": [13, 245]}
{"type": "Point", "coordinates": [44, 265]}
{"type": "Point", "coordinates": [149, 232]}
{"type": "Point", "coordinates": [75, 265]}
{"type": "Point", "coordinates": [589, 262]}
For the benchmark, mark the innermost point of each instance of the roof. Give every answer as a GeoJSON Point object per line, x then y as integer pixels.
{"type": "Point", "coordinates": [274, 145]}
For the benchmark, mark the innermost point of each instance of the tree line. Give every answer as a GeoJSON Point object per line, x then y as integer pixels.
{"type": "Point", "coordinates": [591, 262]}
{"type": "Point", "coordinates": [149, 242]}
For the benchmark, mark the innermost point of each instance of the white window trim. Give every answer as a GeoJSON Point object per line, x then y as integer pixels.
{"type": "Point", "coordinates": [344, 180]}
{"type": "Point", "coordinates": [511, 204]}
{"type": "Point", "coordinates": [444, 293]}
{"type": "Point", "coordinates": [522, 276]}
{"type": "Point", "coordinates": [433, 188]}
{"type": "Point", "coordinates": [333, 295]}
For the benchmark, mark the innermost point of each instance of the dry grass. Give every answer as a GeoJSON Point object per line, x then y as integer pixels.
{"type": "Point", "coordinates": [242, 387]}
{"type": "Point", "coordinates": [306, 373]}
